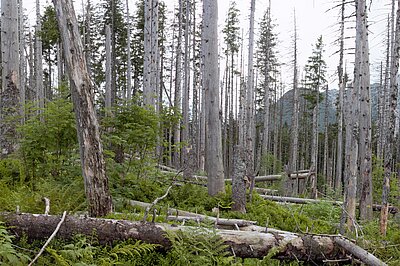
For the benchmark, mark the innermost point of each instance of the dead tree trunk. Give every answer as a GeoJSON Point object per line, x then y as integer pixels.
{"type": "Point", "coordinates": [9, 93]}
{"type": "Point", "coordinates": [390, 136]}
{"type": "Point", "coordinates": [91, 149]}
{"type": "Point", "coordinates": [243, 244]}
{"type": "Point", "coordinates": [214, 163]}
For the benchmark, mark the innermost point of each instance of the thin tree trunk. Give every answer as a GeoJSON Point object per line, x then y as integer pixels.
{"type": "Point", "coordinates": [39, 61]}
{"type": "Point", "coordinates": [91, 149]}
{"type": "Point", "coordinates": [250, 99]}
{"type": "Point", "coordinates": [295, 115]}
{"type": "Point", "coordinates": [128, 55]}
{"type": "Point", "coordinates": [390, 138]}
{"type": "Point", "coordinates": [342, 85]}
{"type": "Point", "coordinates": [178, 89]}
{"type": "Point", "coordinates": [108, 86]}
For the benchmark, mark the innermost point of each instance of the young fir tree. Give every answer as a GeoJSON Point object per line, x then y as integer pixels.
{"type": "Point", "coordinates": [267, 64]}
{"type": "Point", "coordinates": [232, 39]}
{"type": "Point", "coordinates": [315, 70]}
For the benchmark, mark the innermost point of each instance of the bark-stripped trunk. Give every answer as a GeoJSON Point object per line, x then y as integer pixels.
{"type": "Point", "coordinates": [178, 89]}
{"type": "Point", "coordinates": [342, 85]}
{"type": "Point", "coordinates": [147, 89]}
{"type": "Point", "coordinates": [295, 116]}
{"type": "Point", "coordinates": [214, 163]}
{"type": "Point", "coordinates": [82, 89]}
{"type": "Point", "coordinates": [22, 60]}
{"type": "Point", "coordinates": [365, 145]}
{"type": "Point", "coordinates": [239, 180]}
{"type": "Point", "coordinates": [39, 61]}
{"type": "Point", "coordinates": [185, 90]}
{"type": "Point", "coordinates": [250, 97]}
{"type": "Point", "coordinates": [108, 86]}
{"type": "Point", "coordinates": [9, 94]}
{"type": "Point", "coordinates": [128, 55]}
{"type": "Point", "coordinates": [327, 174]}
{"type": "Point", "coordinates": [390, 137]}
{"type": "Point", "coordinates": [352, 151]}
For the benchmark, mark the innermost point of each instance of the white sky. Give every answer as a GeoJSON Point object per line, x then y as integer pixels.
{"type": "Point", "coordinates": [313, 20]}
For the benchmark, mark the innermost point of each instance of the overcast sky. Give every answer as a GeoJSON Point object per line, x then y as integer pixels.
{"type": "Point", "coordinates": [313, 19]}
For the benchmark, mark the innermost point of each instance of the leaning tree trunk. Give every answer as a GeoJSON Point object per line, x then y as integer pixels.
{"type": "Point", "coordinates": [214, 163]}
{"type": "Point", "coordinates": [91, 149]}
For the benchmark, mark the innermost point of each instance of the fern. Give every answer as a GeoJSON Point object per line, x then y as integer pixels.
{"type": "Point", "coordinates": [197, 247]}
{"type": "Point", "coordinates": [8, 254]}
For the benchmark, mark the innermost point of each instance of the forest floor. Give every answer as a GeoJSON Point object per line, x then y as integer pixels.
{"type": "Point", "coordinates": [66, 193]}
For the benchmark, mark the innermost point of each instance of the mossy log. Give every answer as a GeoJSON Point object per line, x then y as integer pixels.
{"type": "Point", "coordinates": [244, 244]}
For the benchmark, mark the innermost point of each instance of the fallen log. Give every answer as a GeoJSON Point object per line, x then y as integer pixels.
{"type": "Point", "coordinates": [243, 244]}
{"type": "Point", "coordinates": [179, 215]}
{"type": "Point", "coordinates": [302, 174]}
{"type": "Point", "coordinates": [266, 190]}
{"type": "Point", "coordinates": [218, 221]}
{"type": "Point", "coordinates": [359, 252]}
{"type": "Point", "coordinates": [375, 207]}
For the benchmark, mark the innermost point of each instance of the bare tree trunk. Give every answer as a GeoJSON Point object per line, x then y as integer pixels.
{"type": "Point", "coordinates": [214, 163]}
{"type": "Point", "coordinates": [239, 180]}
{"type": "Point", "coordinates": [22, 60]}
{"type": "Point", "coordinates": [390, 138]}
{"type": "Point", "coordinates": [352, 152]}
{"type": "Point", "coordinates": [38, 60]}
{"type": "Point", "coordinates": [10, 93]}
{"type": "Point", "coordinates": [147, 90]}
{"type": "Point", "coordinates": [91, 149]}
{"type": "Point", "coordinates": [342, 86]}
{"type": "Point", "coordinates": [178, 89]}
{"type": "Point", "coordinates": [365, 138]}
{"type": "Point", "coordinates": [250, 99]}
{"type": "Point", "coordinates": [128, 55]}
{"type": "Point", "coordinates": [108, 86]}
{"type": "Point", "coordinates": [295, 115]}
{"type": "Point", "coordinates": [328, 176]}
{"type": "Point", "coordinates": [186, 87]}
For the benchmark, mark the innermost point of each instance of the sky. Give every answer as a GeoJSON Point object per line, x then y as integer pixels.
{"type": "Point", "coordinates": [312, 19]}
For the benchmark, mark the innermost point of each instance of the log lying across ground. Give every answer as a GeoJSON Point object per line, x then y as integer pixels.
{"type": "Point", "coordinates": [302, 174]}
{"type": "Point", "coordinates": [317, 249]}
{"type": "Point", "coordinates": [375, 207]}
{"type": "Point", "coordinates": [185, 215]}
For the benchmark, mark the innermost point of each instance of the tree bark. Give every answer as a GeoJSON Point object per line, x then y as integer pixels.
{"type": "Point", "coordinates": [365, 144]}
{"type": "Point", "coordinates": [239, 181]}
{"type": "Point", "coordinates": [244, 244]}
{"type": "Point", "coordinates": [214, 163]}
{"type": "Point", "coordinates": [91, 149]}
{"type": "Point", "coordinates": [39, 61]}
{"type": "Point", "coordinates": [9, 94]}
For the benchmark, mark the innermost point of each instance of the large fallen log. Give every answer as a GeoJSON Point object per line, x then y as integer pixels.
{"type": "Point", "coordinates": [243, 244]}
{"type": "Point", "coordinates": [375, 207]}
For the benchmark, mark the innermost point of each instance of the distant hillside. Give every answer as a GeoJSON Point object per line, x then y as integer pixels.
{"type": "Point", "coordinates": [287, 99]}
